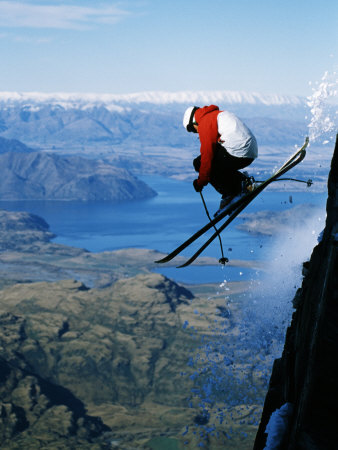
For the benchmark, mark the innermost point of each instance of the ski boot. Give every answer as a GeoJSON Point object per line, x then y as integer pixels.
{"type": "Point", "coordinates": [226, 202]}
{"type": "Point", "coordinates": [248, 183]}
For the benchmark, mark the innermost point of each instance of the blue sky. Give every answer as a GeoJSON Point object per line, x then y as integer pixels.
{"type": "Point", "coordinates": [266, 46]}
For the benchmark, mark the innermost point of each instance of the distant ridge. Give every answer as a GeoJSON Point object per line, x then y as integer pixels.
{"type": "Point", "coordinates": [48, 176]}
{"type": "Point", "coordinates": [85, 100]}
{"type": "Point", "coordinates": [129, 127]}
{"type": "Point", "coordinates": [13, 145]}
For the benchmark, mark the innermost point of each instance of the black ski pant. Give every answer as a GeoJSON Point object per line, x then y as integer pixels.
{"type": "Point", "coordinates": [225, 176]}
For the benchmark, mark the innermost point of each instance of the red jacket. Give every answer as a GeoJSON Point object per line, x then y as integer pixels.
{"type": "Point", "coordinates": [206, 119]}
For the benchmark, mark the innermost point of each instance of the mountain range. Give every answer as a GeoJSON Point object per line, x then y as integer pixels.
{"type": "Point", "coordinates": [146, 119]}
{"type": "Point", "coordinates": [149, 97]}
{"type": "Point", "coordinates": [143, 132]}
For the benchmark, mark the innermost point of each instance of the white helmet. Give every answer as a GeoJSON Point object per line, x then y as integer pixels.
{"type": "Point", "coordinates": [189, 119]}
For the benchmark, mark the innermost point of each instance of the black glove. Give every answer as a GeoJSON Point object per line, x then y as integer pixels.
{"type": "Point", "coordinates": [197, 187]}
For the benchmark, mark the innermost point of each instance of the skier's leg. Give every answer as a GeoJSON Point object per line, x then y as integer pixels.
{"type": "Point", "coordinates": [225, 176]}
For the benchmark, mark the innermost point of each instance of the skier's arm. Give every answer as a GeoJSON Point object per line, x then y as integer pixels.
{"type": "Point", "coordinates": [206, 159]}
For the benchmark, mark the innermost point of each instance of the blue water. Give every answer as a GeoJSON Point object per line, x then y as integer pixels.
{"type": "Point", "coordinates": [161, 223]}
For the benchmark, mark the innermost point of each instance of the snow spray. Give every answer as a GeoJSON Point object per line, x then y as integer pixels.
{"type": "Point", "coordinates": [233, 364]}
{"type": "Point", "coordinates": [323, 108]}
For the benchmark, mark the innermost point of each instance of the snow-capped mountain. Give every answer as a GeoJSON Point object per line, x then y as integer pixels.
{"type": "Point", "coordinates": [145, 119]}
{"type": "Point", "coordinates": [143, 132]}
{"type": "Point", "coordinates": [77, 100]}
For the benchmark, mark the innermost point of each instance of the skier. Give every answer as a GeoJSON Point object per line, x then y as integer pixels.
{"type": "Point", "coordinates": [227, 145]}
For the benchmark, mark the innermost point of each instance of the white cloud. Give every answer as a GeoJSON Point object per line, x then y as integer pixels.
{"type": "Point", "coordinates": [32, 40]}
{"type": "Point", "coordinates": [28, 15]}
{"type": "Point", "coordinates": [25, 39]}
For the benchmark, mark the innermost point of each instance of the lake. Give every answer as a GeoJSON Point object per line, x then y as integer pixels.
{"type": "Point", "coordinates": [162, 223]}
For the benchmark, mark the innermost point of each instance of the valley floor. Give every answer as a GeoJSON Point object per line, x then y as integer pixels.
{"type": "Point", "coordinates": [120, 339]}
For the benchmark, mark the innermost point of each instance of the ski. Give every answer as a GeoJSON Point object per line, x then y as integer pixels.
{"type": "Point", "coordinates": [293, 161]}
{"type": "Point", "coordinates": [234, 209]}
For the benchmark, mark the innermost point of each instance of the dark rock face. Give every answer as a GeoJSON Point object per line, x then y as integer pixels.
{"type": "Point", "coordinates": [43, 176]}
{"type": "Point", "coordinates": [306, 375]}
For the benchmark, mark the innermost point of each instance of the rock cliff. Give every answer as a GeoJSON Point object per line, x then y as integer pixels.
{"type": "Point", "coordinates": [300, 409]}
{"type": "Point", "coordinates": [44, 176]}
